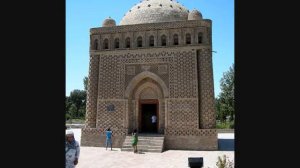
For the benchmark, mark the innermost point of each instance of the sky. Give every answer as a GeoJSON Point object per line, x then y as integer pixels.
{"type": "Point", "coordinates": [81, 15]}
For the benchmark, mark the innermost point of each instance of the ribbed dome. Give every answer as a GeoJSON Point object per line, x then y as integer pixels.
{"type": "Point", "coordinates": [195, 15]}
{"type": "Point", "coordinates": [155, 11]}
{"type": "Point", "coordinates": [109, 22]}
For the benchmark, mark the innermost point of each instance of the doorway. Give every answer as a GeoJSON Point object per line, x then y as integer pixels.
{"type": "Point", "coordinates": [148, 116]}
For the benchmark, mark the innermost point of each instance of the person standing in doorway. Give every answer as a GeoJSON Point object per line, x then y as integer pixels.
{"type": "Point", "coordinates": [72, 150]}
{"type": "Point", "coordinates": [153, 120]}
{"type": "Point", "coordinates": [134, 141]}
{"type": "Point", "coordinates": [108, 133]}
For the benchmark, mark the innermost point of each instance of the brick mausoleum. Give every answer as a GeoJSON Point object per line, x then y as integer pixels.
{"type": "Point", "coordinates": [158, 60]}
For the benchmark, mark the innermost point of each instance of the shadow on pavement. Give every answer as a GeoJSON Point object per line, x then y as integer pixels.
{"type": "Point", "coordinates": [226, 144]}
{"type": "Point", "coordinates": [112, 150]}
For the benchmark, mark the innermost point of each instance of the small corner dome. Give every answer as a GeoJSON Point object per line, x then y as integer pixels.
{"type": "Point", "coordinates": [195, 15]}
{"type": "Point", "coordinates": [109, 22]}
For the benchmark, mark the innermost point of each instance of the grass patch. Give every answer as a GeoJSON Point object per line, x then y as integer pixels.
{"type": "Point", "coordinates": [225, 125]}
{"type": "Point", "coordinates": [75, 121]}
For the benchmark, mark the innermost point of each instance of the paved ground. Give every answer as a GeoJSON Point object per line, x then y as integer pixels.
{"type": "Point", "coordinates": [95, 157]}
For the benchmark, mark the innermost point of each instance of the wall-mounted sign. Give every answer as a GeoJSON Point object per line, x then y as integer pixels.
{"type": "Point", "coordinates": [110, 108]}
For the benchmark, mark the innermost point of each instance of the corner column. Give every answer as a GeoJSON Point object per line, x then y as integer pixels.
{"type": "Point", "coordinates": [206, 89]}
{"type": "Point", "coordinates": [92, 92]}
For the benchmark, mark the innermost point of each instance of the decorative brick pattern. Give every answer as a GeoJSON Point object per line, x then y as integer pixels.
{"type": "Point", "coordinates": [148, 93]}
{"type": "Point", "coordinates": [162, 116]}
{"type": "Point", "coordinates": [157, 38]}
{"type": "Point", "coordinates": [163, 69]}
{"type": "Point", "coordinates": [183, 75]}
{"type": "Point", "coordinates": [92, 92]}
{"type": "Point", "coordinates": [111, 119]}
{"type": "Point", "coordinates": [130, 70]}
{"type": "Point", "coordinates": [101, 131]}
{"type": "Point", "coordinates": [190, 132]}
{"type": "Point", "coordinates": [183, 113]}
{"type": "Point", "coordinates": [179, 76]}
{"type": "Point", "coordinates": [154, 68]}
{"type": "Point", "coordinates": [109, 83]}
{"type": "Point", "coordinates": [207, 110]}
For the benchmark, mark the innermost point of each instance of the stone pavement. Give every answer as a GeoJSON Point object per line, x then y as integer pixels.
{"type": "Point", "coordinates": [96, 157]}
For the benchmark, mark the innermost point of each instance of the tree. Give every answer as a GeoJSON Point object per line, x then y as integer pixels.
{"type": "Point", "coordinates": [81, 112]}
{"type": "Point", "coordinates": [225, 103]}
{"type": "Point", "coordinates": [68, 105]}
{"type": "Point", "coordinates": [85, 83]}
{"type": "Point", "coordinates": [221, 116]}
{"type": "Point", "coordinates": [78, 97]}
{"type": "Point", "coordinates": [73, 111]}
{"type": "Point", "coordinates": [76, 102]}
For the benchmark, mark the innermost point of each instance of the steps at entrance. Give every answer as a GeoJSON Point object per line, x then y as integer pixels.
{"type": "Point", "coordinates": [146, 143]}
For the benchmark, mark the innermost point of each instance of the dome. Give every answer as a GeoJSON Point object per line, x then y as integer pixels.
{"type": "Point", "coordinates": [109, 22]}
{"type": "Point", "coordinates": [155, 11]}
{"type": "Point", "coordinates": [195, 15]}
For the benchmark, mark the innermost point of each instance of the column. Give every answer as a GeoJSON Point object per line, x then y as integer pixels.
{"type": "Point", "coordinates": [92, 92]}
{"type": "Point", "coordinates": [206, 89]}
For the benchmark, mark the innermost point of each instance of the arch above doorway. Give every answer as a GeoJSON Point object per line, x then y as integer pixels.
{"type": "Point", "coordinates": [143, 75]}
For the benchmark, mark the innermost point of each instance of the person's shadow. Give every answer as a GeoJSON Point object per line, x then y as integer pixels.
{"type": "Point", "coordinates": [226, 144]}
{"type": "Point", "coordinates": [113, 150]}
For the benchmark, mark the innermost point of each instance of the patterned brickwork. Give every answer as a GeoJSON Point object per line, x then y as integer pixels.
{"type": "Point", "coordinates": [131, 114]}
{"type": "Point", "coordinates": [114, 119]}
{"type": "Point", "coordinates": [109, 83]}
{"type": "Point", "coordinates": [182, 113]}
{"type": "Point", "coordinates": [183, 75]}
{"type": "Point", "coordinates": [92, 92]}
{"type": "Point", "coordinates": [101, 131]}
{"type": "Point", "coordinates": [179, 76]}
{"type": "Point", "coordinates": [207, 110]}
{"type": "Point", "coordinates": [148, 93]}
{"type": "Point", "coordinates": [190, 132]}
{"type": "Point", "coordinates": [130, 70]}
{"type": "Point", "coordinates": [145, 39]}
{"type": "Point", "coordinates": [162, 116]}
{"type": "Point", "coordinates": [160, 69]}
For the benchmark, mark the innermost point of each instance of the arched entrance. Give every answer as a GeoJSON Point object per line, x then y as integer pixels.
{"type": "Point", "coordinates": [146, 95]}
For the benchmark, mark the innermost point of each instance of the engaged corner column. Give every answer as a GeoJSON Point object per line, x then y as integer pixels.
{"type": "Point", "coordinates": [92, 92]}
{"type": "Point", "coordinates": [206, 89]}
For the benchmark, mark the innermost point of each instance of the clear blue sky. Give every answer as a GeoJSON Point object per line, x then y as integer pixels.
{"type": "Point", "coordinates": [81, 15]}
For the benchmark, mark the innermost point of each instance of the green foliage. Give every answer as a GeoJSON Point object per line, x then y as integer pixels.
{"type": "Point", "coordinates": [68, 116]}
{"type": "Point", "coordinates": [225, 102]}
{"type": "Point", "coordinates": [224, 162]}
{"type": "Point", "coordinates": [76, 103]}
{"type": "Point", "coordinates": [73, 111]}
{"type": "Point", "coordinates": [225, 125]}
{"type": "Point", "coordinates": [75, 121]}
{"type": "Point", "coordinates": [85, 83]}
{"type": "Point", "coordinates": [78, 98]}
{"type": "Point", "coordinates": [81, 112]}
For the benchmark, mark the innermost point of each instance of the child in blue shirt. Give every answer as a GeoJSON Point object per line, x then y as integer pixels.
{"type": "Point", "coordinates": [108, 133]}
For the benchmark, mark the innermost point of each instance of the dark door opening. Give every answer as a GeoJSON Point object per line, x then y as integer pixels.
{"type": "Point", "coordinates": [149, 118]}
